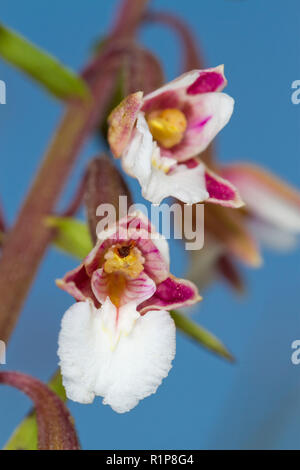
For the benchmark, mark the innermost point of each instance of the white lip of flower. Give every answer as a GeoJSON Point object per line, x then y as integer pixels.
{"type": "Point", "coordinates": [122, 367]}
{"type": "Point", "coordinates": [161, 177]}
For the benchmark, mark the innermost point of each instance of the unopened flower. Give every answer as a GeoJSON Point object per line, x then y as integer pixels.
{"type": "Point", "coordinates": [118, 340]}
{"type": "Point", "coordinates": [157, 135]}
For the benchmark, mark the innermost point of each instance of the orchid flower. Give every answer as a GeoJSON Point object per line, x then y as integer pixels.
{"type": "Point", "coordinates": [273, 207]}
{"type": "Point", "coordinates": [118, 340]}
{"type": "Point", "coordinates": [157, 135]}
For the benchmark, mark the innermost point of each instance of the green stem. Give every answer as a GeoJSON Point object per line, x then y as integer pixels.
{"type": "Point", "coordinates": [27, 242]}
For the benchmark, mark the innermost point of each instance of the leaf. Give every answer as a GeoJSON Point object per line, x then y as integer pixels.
{"type": "Point", "coordinates": [72, 236]}
{"type": "Point", "coordinates": [201, 335]}
{"type": "Point", "coordinates": [51, 426]}
{"type": "Point", "coordinates": [41, 66]}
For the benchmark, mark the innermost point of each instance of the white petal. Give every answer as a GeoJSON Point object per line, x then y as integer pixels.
{"type": "Point", "coordinates": [76, 350]}
{"type": "Point", "coordinates": [187, 185]}
{"type": "Point", "coordinates": [217, 106]}
{"type": "Point", "coordinates": [124, 375]}
{"type": "Point", "coordinates": [140, 362]}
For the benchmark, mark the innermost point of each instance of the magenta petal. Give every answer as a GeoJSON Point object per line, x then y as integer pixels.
{"type": "Point", "coordinates": [207, 82]}
{"type": "Point", "coordinates": [221, 191]}
{"type": "Point", "coordinates": [172, 293]}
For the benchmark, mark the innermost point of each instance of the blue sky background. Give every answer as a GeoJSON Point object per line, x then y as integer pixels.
{"type": "Point", "coordinates": [205, 402]}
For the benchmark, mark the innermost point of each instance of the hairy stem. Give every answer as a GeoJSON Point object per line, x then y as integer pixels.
{"type": "Point", "coordinates": [27, 242]}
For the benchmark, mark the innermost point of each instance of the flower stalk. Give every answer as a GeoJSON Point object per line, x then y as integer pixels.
{"type": "Point", "coordinates": [28, 240]}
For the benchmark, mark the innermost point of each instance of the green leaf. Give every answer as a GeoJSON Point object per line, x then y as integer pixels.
{"type": "Point", "coordinates": [201, 335]}
{"type": "Point", "coordinates": [39, 65]}
{"type": "Point", "coordinates": [25, 437]}
{"type": "Point", "coordinates": [72, 236]}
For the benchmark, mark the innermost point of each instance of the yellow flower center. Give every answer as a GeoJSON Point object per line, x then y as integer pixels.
{"type": "Point", "coordinates": [124, 259]}
{"type": "Point", "coordinates": [167, 126]}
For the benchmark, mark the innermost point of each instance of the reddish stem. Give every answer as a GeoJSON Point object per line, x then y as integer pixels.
{"type": "Point", "coordinates": [77, 199]}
